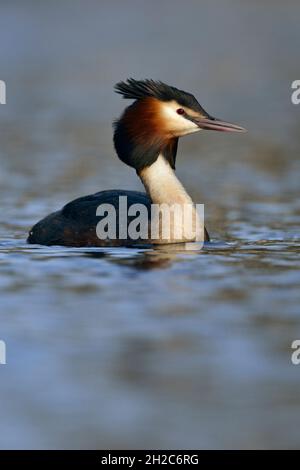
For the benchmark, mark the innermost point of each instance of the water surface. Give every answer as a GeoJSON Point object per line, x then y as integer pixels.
{"type": "Point", "coordinates": [157, 348]}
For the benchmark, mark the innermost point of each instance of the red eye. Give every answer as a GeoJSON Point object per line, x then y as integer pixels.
{"type": "Point", "coordinates": [180, 111]}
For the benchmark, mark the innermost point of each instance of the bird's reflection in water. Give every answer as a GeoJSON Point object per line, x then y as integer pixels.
{"type": "Point", "coordinates": [154, 257]}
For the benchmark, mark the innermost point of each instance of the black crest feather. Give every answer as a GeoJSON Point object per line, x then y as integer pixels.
{"type": "Point", "coordinates": [138, 89]}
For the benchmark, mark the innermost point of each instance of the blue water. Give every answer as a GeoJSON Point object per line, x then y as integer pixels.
{"type": "Point", "coordinates": [150, 348]}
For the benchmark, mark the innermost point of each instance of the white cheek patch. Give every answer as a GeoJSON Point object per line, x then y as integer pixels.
{"type": "Point", "coordinates": [175, 122]}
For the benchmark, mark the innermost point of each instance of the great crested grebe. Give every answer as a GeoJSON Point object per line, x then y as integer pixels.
{"type": "Point", "coordinates": [145, 138]}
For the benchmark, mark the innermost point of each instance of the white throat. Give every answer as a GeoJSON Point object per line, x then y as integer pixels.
{"type": "Point", "coordinates": [164, 188]}
{"type": "Point", "coordinates": [162, 185]}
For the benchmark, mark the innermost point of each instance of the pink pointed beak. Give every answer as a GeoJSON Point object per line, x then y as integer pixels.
{"type": "Point", "coordinates": [218, 125]}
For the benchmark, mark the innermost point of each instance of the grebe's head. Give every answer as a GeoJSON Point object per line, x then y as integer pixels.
{"type": "Point", "coordinates": [159, 115]}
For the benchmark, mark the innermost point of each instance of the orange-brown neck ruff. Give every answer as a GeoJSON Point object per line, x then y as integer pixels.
{"type": "Point", "coordinates": [141, 135]}
{"type": "Point", "coordinates": [144, 122]}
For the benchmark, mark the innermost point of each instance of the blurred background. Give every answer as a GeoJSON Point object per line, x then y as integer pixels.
{"type": "Point", "coordinates": [150, 348]}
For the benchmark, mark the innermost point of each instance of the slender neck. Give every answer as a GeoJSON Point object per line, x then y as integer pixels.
{"type": "Point", "coordinates": [162, 185]}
